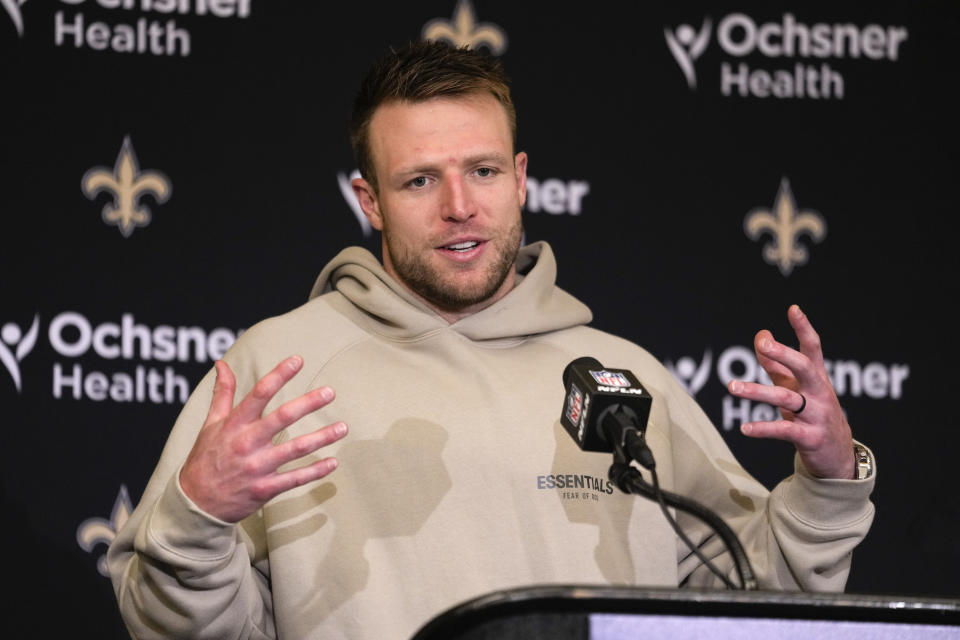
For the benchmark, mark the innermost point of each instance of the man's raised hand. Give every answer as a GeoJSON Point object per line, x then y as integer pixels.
{"type": "Point", "coordinates": [811, 415]}
{"type": "Point", "coordinates": [232, 469]}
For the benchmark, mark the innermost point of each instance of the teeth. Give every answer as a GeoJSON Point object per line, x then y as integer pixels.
{"type": "Point", "coordinates": [462, 246]}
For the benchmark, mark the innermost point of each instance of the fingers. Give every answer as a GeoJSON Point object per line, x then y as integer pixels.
{"type": "Point", "coordinates": [231, 471]}
{"type": "Point", "coordinates": [779, 374]}
{"type": "Point", "coordinates": [794, 364]}
{"type": "Point", "coordinates": [224, 389]}
{"type": "Point", "coordinates": [793, 368]}
{"type": "Point", "coordinates": [777, 396]}
{"type": "Point", "coordinates": [278, 483]}
{"type": "Point", "coordinates": [272, 483]}
{"type": "Point", "coordinates": [288, 413]}
{"type": "Point", "coordinates": [304, 445]}
{"type": "Point", "coordinates": [253, 404]}
{"type": "Point", "coordinates": [822, 449]}
{"type": "Point", "coordinates": [778, 430]}
{"type": "Point", "coordinates": [808, 337]}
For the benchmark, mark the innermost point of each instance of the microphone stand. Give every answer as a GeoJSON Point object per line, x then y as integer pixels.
{"type": "Point", "coordinates": [629, 480]}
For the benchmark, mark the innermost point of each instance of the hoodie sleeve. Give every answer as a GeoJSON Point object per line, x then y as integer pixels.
{"type": "Point", "coordinates": [179, 572]}
{"type": "Point", "coordinates": [800, 536]}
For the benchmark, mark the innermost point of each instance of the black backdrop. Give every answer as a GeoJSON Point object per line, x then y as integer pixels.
{"type": "Point", "coordinates": [838, 116]}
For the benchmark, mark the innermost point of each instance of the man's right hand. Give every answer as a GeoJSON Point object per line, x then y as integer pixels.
{"type": "Point", "coordinates": [232, 469]}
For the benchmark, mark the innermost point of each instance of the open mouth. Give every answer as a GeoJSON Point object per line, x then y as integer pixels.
{"type": "Point", "coordinates": [462, 247]}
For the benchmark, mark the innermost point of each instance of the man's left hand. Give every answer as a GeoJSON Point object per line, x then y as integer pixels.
{"type": "Point", "coordinates": [811, 415]}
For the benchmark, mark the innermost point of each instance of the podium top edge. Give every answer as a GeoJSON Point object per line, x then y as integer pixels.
{"type": "Point", "coordinates": [592, 599]}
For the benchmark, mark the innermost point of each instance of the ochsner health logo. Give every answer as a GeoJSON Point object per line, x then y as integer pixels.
{"type": "Point", "coordinates": [15, 345]}
{"type": "Point", "coordinates": [874, 380]}
{"type": "Point", "coordinates": [792, 45]}
{"type": "Point", "coordinates": [13, 10]}
{"type": "Point", "coordinates": [120, 361]}
{"type": "Point", "coordinates": [686, 45]}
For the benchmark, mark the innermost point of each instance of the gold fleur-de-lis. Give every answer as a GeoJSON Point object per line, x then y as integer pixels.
{"type": "Point", "coordinates": [785, 224]}
{"type": "Point", "coordinates": [127, 184]}
{"type": "Point", "coordinates": [94, 531]}
{"type": "Point", "coordinates": [463, 30]}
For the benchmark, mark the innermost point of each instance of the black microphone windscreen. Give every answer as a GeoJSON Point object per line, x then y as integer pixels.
{"type": "Point", "coordinates": [586, 360]}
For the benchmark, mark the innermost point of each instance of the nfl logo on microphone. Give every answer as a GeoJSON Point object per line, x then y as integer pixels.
{"type": "Point", "coordinates": [574, 404]}
{"type": "Point", "coordinates": [610, 378]}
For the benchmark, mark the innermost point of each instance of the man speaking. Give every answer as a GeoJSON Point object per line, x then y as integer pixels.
{"type": "Point", "coordinates": [457, 477]}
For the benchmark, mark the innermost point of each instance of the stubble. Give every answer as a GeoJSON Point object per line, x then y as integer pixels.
{"type": "Point", "coordinates": [447, 293]}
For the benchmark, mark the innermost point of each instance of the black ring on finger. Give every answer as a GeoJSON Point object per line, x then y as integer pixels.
{"type": "Point", "coordinates": [803, 404]}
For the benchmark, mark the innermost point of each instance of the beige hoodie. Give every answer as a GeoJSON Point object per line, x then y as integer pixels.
{"type": "Point", "coordinates": [456, 478]}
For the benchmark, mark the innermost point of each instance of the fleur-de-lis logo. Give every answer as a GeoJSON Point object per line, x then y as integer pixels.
{"type": "Point", "coordinates": [463, 30]}
{"type": "Point", "coordinates": [13, 10]}
{"type": "Point", "coordinates": [127, 184]}
{"type": "Point", "coordinates": [94, 531]}
{"type": "Point", "coordinates": [785, 224]}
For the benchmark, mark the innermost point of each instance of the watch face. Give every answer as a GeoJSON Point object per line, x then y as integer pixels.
{"type": "Point", "coordinates": [864, 465]}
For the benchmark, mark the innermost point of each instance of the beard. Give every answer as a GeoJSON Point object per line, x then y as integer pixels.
{"type": "Point", "coordinates": [445, 290]}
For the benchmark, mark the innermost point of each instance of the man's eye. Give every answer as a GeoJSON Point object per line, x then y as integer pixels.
{"type": "Point", "coordinates": [484, 172]}
{"type": "Point", "coordinates": [419, 181]}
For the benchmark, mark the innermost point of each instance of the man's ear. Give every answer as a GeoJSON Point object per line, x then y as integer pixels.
{"type": "Point", "coordinates": [367, 197]}
{"type": "Point", "coordinates": [520, 169]}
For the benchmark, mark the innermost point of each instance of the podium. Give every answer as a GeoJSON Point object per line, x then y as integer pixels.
{"type": "Point", "coordinates": [572, 612]}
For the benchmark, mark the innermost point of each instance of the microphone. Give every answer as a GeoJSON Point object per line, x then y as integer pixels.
{"type": "Point", "coordinates": [606, 410]}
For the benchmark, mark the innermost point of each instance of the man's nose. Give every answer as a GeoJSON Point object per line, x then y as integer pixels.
{"type": "Point", "coordinates": [458, 201]}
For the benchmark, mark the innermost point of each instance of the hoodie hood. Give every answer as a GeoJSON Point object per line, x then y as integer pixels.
{"type": "Point", "coordinates": [373, 299]}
